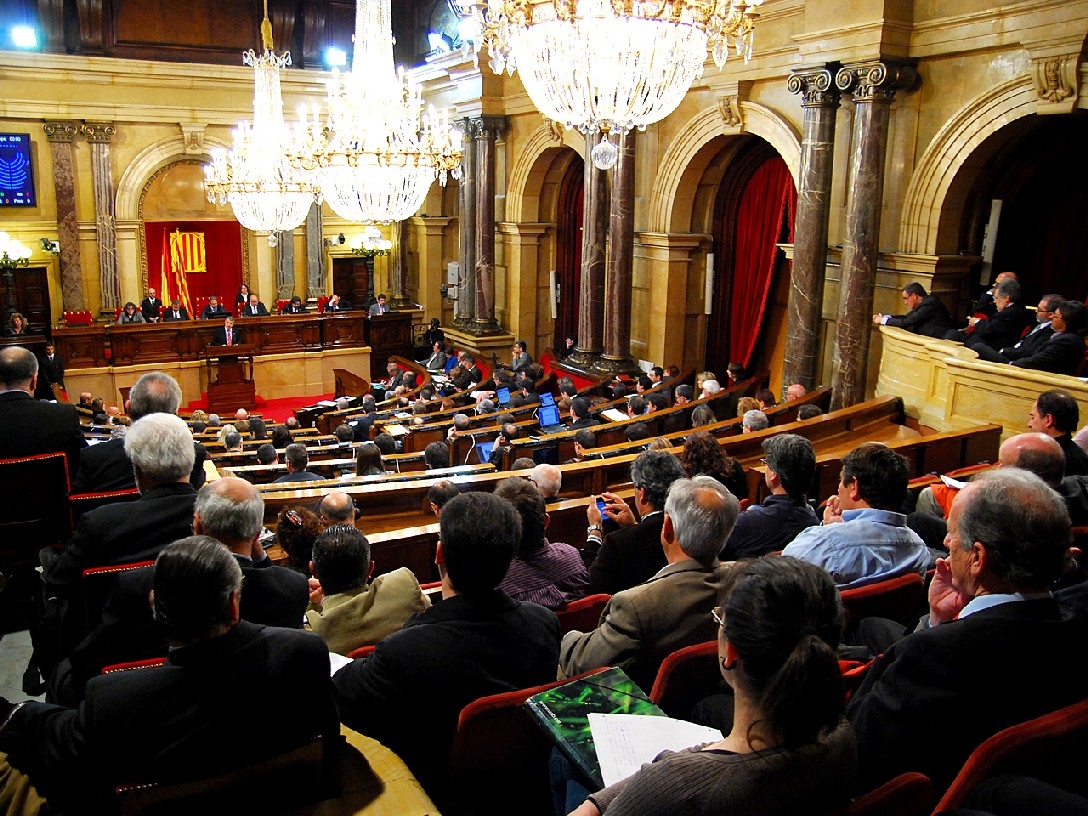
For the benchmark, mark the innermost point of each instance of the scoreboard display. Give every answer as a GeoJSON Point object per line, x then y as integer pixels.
{"type": "Point", "coordinates": [16, 171]}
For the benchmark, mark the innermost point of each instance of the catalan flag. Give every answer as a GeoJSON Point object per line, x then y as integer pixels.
{"type": "Point", "coordinates": [186, 256]}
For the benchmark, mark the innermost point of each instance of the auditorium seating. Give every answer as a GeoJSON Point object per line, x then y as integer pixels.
{"type": "Point", "coordinates": [685, 677]}
{"type": "Point", "coordinates": [98, 583]}
{"type": "Point", "coordinates": [900, 599]}
{"type": "Point", "coordinates": [79, 317]}
{"type": "Point", "coordinates": [582, 615]}
{"type": "Point", "coordinates": [35, 490]}
{"type": "Point", "coordinates": [909, 794]}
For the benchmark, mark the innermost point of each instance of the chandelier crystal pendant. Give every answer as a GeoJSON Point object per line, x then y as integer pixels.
{"type": "Point", "coordinates": [607, 66]}
{"type": "Point", "coordinates": [378, 150]}
{"type": "Point", "coordinates": [256, 177]}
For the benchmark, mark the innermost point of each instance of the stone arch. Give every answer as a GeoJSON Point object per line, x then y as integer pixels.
{"type": "Point", "coordinates": [948, 156]}
{"type": "Point", "coordinates": [680, 169]}
{"type": "Point", "coordinates": [149, 161]}
{"type": "Point", "coordinates": [530, 168]}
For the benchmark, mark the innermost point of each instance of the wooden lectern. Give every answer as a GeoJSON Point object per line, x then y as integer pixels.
{"type": "Point", "coordinates": [230, 378]}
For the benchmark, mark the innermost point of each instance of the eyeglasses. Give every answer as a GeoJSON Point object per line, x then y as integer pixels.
{"type": "Point", "coordinates": [718, 613]}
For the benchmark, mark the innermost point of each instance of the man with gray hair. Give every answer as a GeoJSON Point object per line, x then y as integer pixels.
{"type": "Point", "coordinates": [27, 426]}
{"type": "Point", "coordinates": [105, 466]}
{"type": "Point", "coordinates": [789, 469]}
{"type": "Point", "coordinates": [548, 480]}
{"type": "Point", "coordinates": [297, 461]}
{"type": "Point", "coordinates": [995, 649]}
{"type": "Point", "coordinates": [628, 556]}
{"type": "Point", "coordinates": [641, 626]}
{"type": "Point", "coordinates": [754, 420]}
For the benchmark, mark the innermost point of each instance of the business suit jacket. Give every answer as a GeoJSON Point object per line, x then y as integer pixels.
{"type": "Point", "coordinates": [209, 313]}
{"type": "Point", "coordinates": [410, 691]}
{"type": "Point", "coordinates": [29, 427]}
{"type": "Point", "coordinates": [271, 595]}
{"type": "Point", "coordinates": [219, 337]}
{"type": "Point", "coordinates": [436, 362]}
{"type": "Point", "coordinates": [521, 362]}
{"type": "Point", "coordinates": [930, 318]}
{"type": "Point", "coordinates": [291, 308]}
{"type": "Point", "coordinates": [360, 617]}
{"type": "Point", "coordinates": [938, 693]}
{"type": "Point", "coordinates": [123, 532]}
{"type": "Point", "coordinates": [342, 306]}
{"type": "Point", "coordinates": [585, 422]}
{"type": "Point", "coordinates": [1003, 328]}
{"type": "Point", "coordinates": [247, 311]}
{"type": "Point", "coordinates": [1063, 353]}
{"type": "Point", "coordinates": [168, 314]}
{"type": "Point", "coordinates": [106, 467]}
{"type": "Point", "coordinates": [377, 309]}
{"type": "Point", "coordinates": [1076, 460]}
{"type": "Point", "coordinates": [191, 717]}
{"type": "Point", "coordinates": [641, 626]}
{"type": "Point", "coordinates": [1030, 344]}
{"type": "Point", "coordinates": [52, 371]}
{"type": "Point", "coordinates": [626, 557]}
{"type": "Point", "coordinates": [150, 307]}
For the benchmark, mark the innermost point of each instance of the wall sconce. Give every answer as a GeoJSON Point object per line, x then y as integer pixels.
{"type": "Point", "coordinates": [331, 242]}
{"type": "Point", "coordinates": [52, 247]}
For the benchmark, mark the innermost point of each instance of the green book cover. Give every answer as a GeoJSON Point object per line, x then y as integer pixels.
{"type": "Point", "coordinates": [564, 712]}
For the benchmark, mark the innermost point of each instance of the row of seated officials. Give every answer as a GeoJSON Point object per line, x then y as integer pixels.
{"type": "Point", "coordinates": [777, 621]}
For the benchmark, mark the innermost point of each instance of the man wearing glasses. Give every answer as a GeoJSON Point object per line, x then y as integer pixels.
{"type": "Point", "coordinates": [927, 316]}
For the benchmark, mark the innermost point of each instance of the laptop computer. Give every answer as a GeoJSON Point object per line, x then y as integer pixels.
{"type": "Point", "coordinates": [483, 451]}
{"type": "Point", "coordinates": [503, 396]}
{"type": "Point", "coordinates": [547, 416]}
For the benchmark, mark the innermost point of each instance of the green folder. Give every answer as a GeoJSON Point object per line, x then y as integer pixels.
{"type": "Point", "coordinates": [564, 712]}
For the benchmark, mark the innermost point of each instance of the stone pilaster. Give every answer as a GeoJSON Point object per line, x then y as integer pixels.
{"type": "Point", "coordinates": [399, 278]}
{"type": "Point", "coordinates": [99, 135]}
{"type": "Point", "coordinates": [594, 241]}
{"type": "Point", "coordinates": [873, 86]}
{"type": "Point", "coordinates": [464, 310]}
{"type": "Point", "coordinates": [285, 264]}
{"type": "Point", "coordinates": [819, 100]}
{"type": "Point", "coordinates": [60, 135]}
{"type": "Point", "coordinates": [429, 240]}
{"type": "Point", "coordinates": [315, 252]}
{"type": "Point", "coordinates": [489, 130]}
{"type": "Point", "coordinates": [621, 235]}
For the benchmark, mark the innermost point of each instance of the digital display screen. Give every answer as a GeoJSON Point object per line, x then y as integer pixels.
{"type": "Point", "coordinates": [16, 171]}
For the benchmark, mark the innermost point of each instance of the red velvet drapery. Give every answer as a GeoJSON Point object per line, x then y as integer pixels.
{"type": "Point", "coordinates": [222, 250]}
{"type": "Point", "coordinates": [768, 197]}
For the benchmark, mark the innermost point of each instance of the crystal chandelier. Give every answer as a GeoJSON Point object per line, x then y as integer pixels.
{"type": "Point", "coordinates": [266, 192]}
{"type": "Point", "coordinates": [377, 151]}
{"type": "Point", "coordinates": [607, 66]}
{"type": "Point", "coordinates": [370, 243]}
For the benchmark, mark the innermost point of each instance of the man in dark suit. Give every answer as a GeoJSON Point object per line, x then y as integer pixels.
{"type": "Point", "coordinates": [994, 650]}
{"type": "Point", "coordinates": [927, 316]}
{"type": "Point", "coordinates": [477, 641]}
{"type": "Point", "coordinates": [1063, 353]}
{"type": "Point", "coordinates": [1006, 325]}
{"type": "Point", "coordinates": [254, 308]}
{"type": "Point", "coordinates": [190, 717]}
{"type": "Point", "coordinates": [231, 511]}
{"type": "Point", "coordinates": [29, 427]}
{"type": "Point", "coordinates": [174, 312]}
{"type": "Point", "coordinates": [579, 415]}
{"type": "Point", "coordinates": [295, 306]}
{"type": "Point", "coordinates": [160, 447]}
{"type": "Point", "coordinates": [50, 372]}
{"type": "Point", "coordinates": [632, 554]}
{"type": "Point", "coordinates": [227, 335]}
{"type": "Point", "coordinates": [151, 306]}
{"type": "Point", "coordinates": [106, 467]}
{"type": "Point", "coordinates": [214, 309]}
{"type": "Point", "coordinates": [336, 304]}
{"type": "Point", "coordinates": [1056, 414]}
{"type": "Point", "coordinates": [470, 373]}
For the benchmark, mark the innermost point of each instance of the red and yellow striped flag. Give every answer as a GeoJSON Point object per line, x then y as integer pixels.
{"type": "Point", "coordinates": [186, 255]}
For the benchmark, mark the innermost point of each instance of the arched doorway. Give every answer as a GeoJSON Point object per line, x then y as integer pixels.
{"type": "Point", "coordinates": [568, 250]}
{"type": "Point", "coordinates": [1038, 171]}
{"type": "Point", "coordinates": [752, 212]}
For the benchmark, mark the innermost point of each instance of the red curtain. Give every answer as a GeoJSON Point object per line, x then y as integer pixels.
{"type": "Point", "coordinates": [222, 251]}
{"type": "Point", "coordinates": [769, 197]}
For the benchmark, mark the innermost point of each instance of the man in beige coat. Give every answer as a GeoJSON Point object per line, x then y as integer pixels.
{"type": "Point", "coordinates": [347, 611]}
{"type": "Point", "coordinates": [641, 626]}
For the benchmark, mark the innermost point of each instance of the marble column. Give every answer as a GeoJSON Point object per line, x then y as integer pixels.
{"type": "Point", "coordinates": [819, 101]}
{"type": "Point", "coordinates": [464, 309]}
{"type": "Point", "coordinates": [621, 244]}
{"type": "Point", "coordinates": [873, 86]}
{"type": "Point", "coordinates": [285, 264]}
{"type": "Point", "coordinates": [99, 135]}
{"type": "Point", "coordinates": [490, 128]}
{"type": "Point", "coordinates": [60, 136]}
{"type": "Point", "coordinates": [315, 253]}
{"type": "Point", "coordinates": [591, 291]}
{"type": "Point", "coordinates": [399, 276]}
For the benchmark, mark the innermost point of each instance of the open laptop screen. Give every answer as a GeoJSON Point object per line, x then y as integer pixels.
{"type": "Point", "coordinates": [503, 395]}
{"type": "Point", "coordinates": [546, 398]}
{"type": "Point", "coordinates": [548, 415]}
{"type": "Point", "coordinates": [483, 451]}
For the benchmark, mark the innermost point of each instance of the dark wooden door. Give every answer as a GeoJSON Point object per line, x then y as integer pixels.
{"type": "Point", "coordinates": [31, 290]}
{"type": "Point", "coordinates": [568, 252]}
{"type": "Point", "coordinates": [349, 280]}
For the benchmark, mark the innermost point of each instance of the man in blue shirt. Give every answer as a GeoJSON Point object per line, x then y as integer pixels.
{"type": "Point", "coordinates": [863, 538]}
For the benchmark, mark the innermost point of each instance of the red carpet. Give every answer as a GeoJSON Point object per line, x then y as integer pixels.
{"type": "Point", "coordinates": [277, 409]}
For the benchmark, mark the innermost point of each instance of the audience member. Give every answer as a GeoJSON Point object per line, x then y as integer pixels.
{"type": "Point", "coordinates": [297, 460]}
{"type": "Point", "coordinates": [703, 456]}
{"type": "Point", "coordinates": [337, 507]}
{"type": "Point", "coordinates": [1063, 352]}
{"type": "Point", "coordinates": [746, 404]}
{"type": "Point", "coordinates": [385, 443]}
{"type": "Point", "coordinates": [628, 556]}
{"type": "Point", "coordinates": [927, 316]}
{"type": "Point", "coordinates": [864, 538]}
{"type": "Point", "coordinates": [266, 454]}
{"type": "Point", "coordinates": [523, 463]}
{"type": "Point", "coordinates": [281, 437]}
{"type": "Point", "coordinates": [702, 415]}
{"type": "Point", "coordinates": [27, 426]}
{"type": "Point", "coordinates": [437, 455]}
{"type": "Point", "coordinates": [580, 414]}
{"type": "Point", "coordinates": [584, 441]}
{"type": "Point", "coordinates": [637, 431]}
{"type": "Point", "coordinates": [641, 626]}
{"type": "Point", "coordinates": [1056, 413]}
{"type": "Point", "coordinates": [766, 399]}
{"type": "Point", "coordinates": [348, 612]}
{"type": "Point", "coordinates": [795, 391]}
{"type": "Point", "coordinates": [789, 470]}
{"type": "Point", "coordinates": [548, 480]}
{"type": "Point", "coordinates": [754, 420]}
{"type": "Point", "coordinates": [543, 572]}
{"type": "Point", "coordinates": [808, 411]}
{"type": "Point", "coordinates": [296, 529]}
{"type": "Point", "coordinates": [440, 494]}
{"type": "Point", "coordinates": [368, 460]}
{"type": "Point", "coordinates": [683, 394]}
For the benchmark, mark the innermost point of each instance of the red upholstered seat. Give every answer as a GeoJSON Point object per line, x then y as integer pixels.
{"type": "Point", "coordinates": [80, 503]}
{"type": "Point", "coordinates": [35, 491]}
{"type": "Point", "coordinates": [686, 676]}
{"type": "Point", "coordinates": [98, 583]}
{"type": "Point", "coordinates": [583, 614]}
{"type": "Point", "coordinates": [132, 665]}
{"type": "Point", "coordinates": [78, 317]}
{"type": "Point", "coordinates": [899, 599]}
{"type": "Point", "coordinates": [909, 794]}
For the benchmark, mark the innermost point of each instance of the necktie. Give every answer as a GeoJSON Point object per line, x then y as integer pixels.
{"type": "Point", "coordinates": [230, 338]}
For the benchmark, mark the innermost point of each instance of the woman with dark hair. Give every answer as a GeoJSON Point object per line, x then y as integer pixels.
{"type": "Point", "coordinates": [281, 437]}
{"type": "Point", "coordinates": [789, 749]}
{"type": "Point", "coordinates": [368, 460]}
{"type": "Point", "coordinates": [241, 299]}
{"type": "Point", "coordinates": [434, 334]}
{"type": "Point", "coordinates": [702, 415]}
{"type": "Point", "coordinates": [704, 456]}
{"type": "Point", "coordinates": [735, 372]}
{"type": "Point", "coordinates": [569, 342]}
{"type": "Point", "coordinates": [296, 529]}
{"type": "Point", "coordinates": [129, 314]}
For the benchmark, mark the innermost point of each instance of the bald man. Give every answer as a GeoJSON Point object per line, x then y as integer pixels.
{"type": "Point", "coordinates": [337, 508]}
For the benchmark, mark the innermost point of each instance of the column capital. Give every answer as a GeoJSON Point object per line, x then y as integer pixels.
{"type": "Point", "coordinates": [485, 127]}
{"type": "Point", "coordinates": [816, 86]}
{"type": "Point", "coordinates": [875, 81]}
{"type": "Point", "coordinates": [61, 131]}
{"type": "Point", "coordinates": [98, 132]}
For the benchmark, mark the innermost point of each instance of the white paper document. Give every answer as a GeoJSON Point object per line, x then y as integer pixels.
{"type": "Point", "coordinates": [626, 742]}
{"type": "Point", "coordinates": [953, 483]}
{"type": "Point", "coordinates": [614, 414]}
